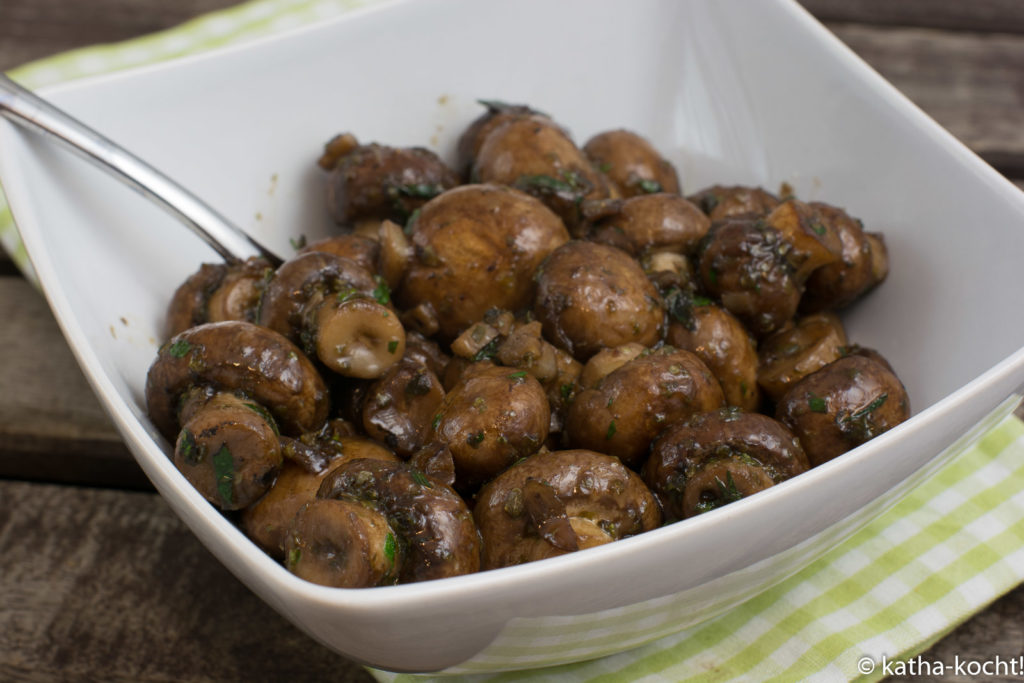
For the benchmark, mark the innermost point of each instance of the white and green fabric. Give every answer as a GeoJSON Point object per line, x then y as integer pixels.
{"type": "Point", "coordinates": [948, 549]}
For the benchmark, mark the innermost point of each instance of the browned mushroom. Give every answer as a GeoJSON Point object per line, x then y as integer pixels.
{"type": "Point", "coordinates": [473, 137]}
{"type": "Point", "coordinates": [592, 296]}
{"type": "Point", "coordinates": [476, 248]}
{"type": "Point", "coordinates": [843, 405]}
{"type": "Point", "coordinates": [745, 264]}
{"type": "Point", "coordinates": [535, 155]}
{"type": "Point", "coordinates": [399, 408]}
{"type": "Point", "coordinates": [813, 240]}
{"type": "Point", "coordinates": [632, 165]}
{"type": "Point", "coordinates": [237, 356]}
{"type": "Point", "coordinates": [633, 404]}
{"type": "Point", "coordinates": [713, 459]}
{"type": "Point", "coordinates": [491, 418]}
{"type": "Point", "coordinates": [228, 447]}
{"type": "Point", "coordinates": [647, 223]}
{"type": "Point", "coordinates": [432, 523]}
{"type": "Point", "coordinates": [724, 201]}
{"type": "Point", "coordinates": [378, 182]}
{"type": "Point", "coordinates": [792, 353]}
{"type": "Point", "coordinates": [218, 292]}
{"type": "Point", "coordinates": [559, 502]}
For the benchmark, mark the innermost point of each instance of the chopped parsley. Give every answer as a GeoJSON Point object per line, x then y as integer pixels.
{"type": "Point", "coordinates": [420, 479]}
{"type": "Point", "coordinates": [818, 228]}
{"type": "Point", "coordinates": [611, 430]}
{"type": "Point", "coordinates": [518, 376]}
{"type": "Point", "coordinates": [297, 243]}
{"type": "Point", "coordinates": [382, 293]}
{"type": "Point", "coordinates": [389, 548]}
{"type": "Point", "coordinates": [179, 349]}
{"type": "Point", "coordinates": [649, 186]}
{"type": "Point", "coordinates": [437, 422]}
{"type": "Point", "coordinates": [488, 351]}
{"type": "Point", "coordinates": [224, 470]}
{"type": "Point", "coordinates": [817, 404]}
{"type": "Point", "coordinates": [420, 190]}
{"type": "Point", "coordinates": [392, 346]}
{"type": "Point", "coordinates": [294, 555]}
{"type": "Point", "coordinates": [347, 294]}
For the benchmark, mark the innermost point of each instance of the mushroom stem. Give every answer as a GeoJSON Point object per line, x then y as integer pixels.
{"type": "Point", "coordinates": [358, 337]}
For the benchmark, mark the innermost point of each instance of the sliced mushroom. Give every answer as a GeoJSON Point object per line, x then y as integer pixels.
{"type": "Point", "coordinates": [792, 353]}
{"type": "Point", "coordinates": [218, 292]}
{"type": "Point", "coordinates": [399, 408]}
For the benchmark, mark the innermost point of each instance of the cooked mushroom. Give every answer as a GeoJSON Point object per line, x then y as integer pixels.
{"type": "Point", "coordinates": [632, 165]}
{"type": "Point", "coordinates": [715, 458]}
{"type": "Point", "coordinates": [399, 408]}
{"type": "Point", "coordinates": [473, 137]}
{"type": "Point", "coordinates": [237, 356]}
{"type": "Point", "coordinates": [343, 543]}
{"type": "Point", "coordinates": [377, 182]}
{"type": "Point", "coordinates": [337, 311]}
{"type": "Point", "coordinates": [591, 296]}
{"type": "Point", "coordinates": [745, 264]}
{"type": "Point", "coordinates": [559, 502]}
{"type": "Point", "coordinates": [227, 448]}
{"type": "Point", "coordinates": [308, 460]}
{"type": "Point", "coordinates": [720, 340]}
{"type": "Point", "coordinates": [814, 240]}
{"type": "Point", "coordinates": [792, 353]}
{"type": "Point", "coordinates": [647, 223]}
{"type": "Point", "coordinates": [358, 248]}
{"type": "Point", "coordinates": [843, 405]}
{"type": "Point", "coordinates": [218, 292]}
{"type": "Point", "coordinates": [476, 248]}
{"type": "Point", "coordinates": [432, 523]}
{"type": "Point", "coordinates": [491, 418]}
{"type": "Point", "coordinates": [723, 201]}
{"type": "Point", "coordinates": [862, 266]}
{"type": "Point", "coordinates": [607, 361]}
{"type": "Point", "coordinates": [633, 404]}
{"type": "Point", "coordinates": [537, 156]}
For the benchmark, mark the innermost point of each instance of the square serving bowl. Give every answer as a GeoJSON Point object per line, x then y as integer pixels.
{"type": "Point", "coordinates": [731, 92]}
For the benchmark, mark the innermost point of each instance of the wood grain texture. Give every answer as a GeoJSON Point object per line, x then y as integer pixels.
{"type": "Point", "coordinates": [112, 586]}
{"type": "Point", "coordinates": [999, 16]}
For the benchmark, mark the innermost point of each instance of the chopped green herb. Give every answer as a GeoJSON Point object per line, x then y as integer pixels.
{"type": "Point", "coordinates": [817, 404]}
{"type": "Point", "coordinates": [518, 376]}
{"type": "Point", "coordinates": [713, 275]}
{"type": "Point", "coordinates": [480, 404]}
{"type": "Point", "coordinates": [389, 548]}
{"type": "Point", "coordinates": [297, 243]}
{"type": "Point", "coordinates": [265, 414]}
{"type": "Point", "coordinates": [611, 430]}
{"type": "Point", "coordinates": [392, 346]}
{"type": "Point", "coordinates": [649, 186]}
{"type": "Point", "coordinates": [475, 440]}
{"type": "Point", "coordinates": [547, 184]}
{"type": "Point", "coordinates": [420, 190]}
{"type": "Point", "coordinates": [818, 228]}
{"type": "Point", "coordinates": [179, 348]}
{"type": "Point", "coordinates": [382, 293]}
{"type": "Point", "coordinates": [294, 555]}
{"type": "Point", "coordinates": [488, 351]}
{"type": "Point", "coordinates": [224, 470]}
{"type": "Point", "coordinates": [604, 167]}
{"type": "Point", "coordinates": [566, 391]}
{"type": "Point", "coordinates": [347, 294]}
{"type": "Point", "coordinates": [187, 448]}
{"type": "Point", "coordinates": [872, 407]}
{"type": "Point", "coordinates": [411, 221]}
{"type": "Point", "coordinates": [420, 479]}
{"type": "Point", "coordinates": [437, 422]}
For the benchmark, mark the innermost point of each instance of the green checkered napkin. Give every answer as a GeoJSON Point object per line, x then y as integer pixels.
{"type": "Point", "coordinates": [954, 544]}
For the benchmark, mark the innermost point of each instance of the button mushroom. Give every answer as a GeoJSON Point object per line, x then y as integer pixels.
{"type": "Point", "coordinates": [843, 405]}
{"type": "Point", "coordinates": [476, 248]}
{"type": "Point", "coordinates": [218, 292]}
{"type": "Point", "coordinates": [627, 409]}
{"type": "Point", "coordinates": [745, 263]}
{"type": "Point", "coordinates": [647, 223]}
{"type": "Point", "coordinates": [491, 418]}
{"type": "Point", "coordinates": [715, 458]}
{"type": "Point", "coordinates": [724, 201]}
{"type": "Point", "coordinates": [791, 354]}
{"type": "Point", "coordinates": [558, 502]}
{"type": "Point", "coordinates": [433, 526]}
{"type": "Point", "coordinates": [380, 182]}
{"type": "Point", "coordinates": [591, 296]}
{"type": "Point", "coordinates": [228, 447]}
{"type": "Point", "coordinates": [237, 356]}
{"type": "Point", "coordinates": [631, 163]}
{"type": "Point", "coordinates": [537, 156]}
{"type": "Point", "coordinates": [399, 408]}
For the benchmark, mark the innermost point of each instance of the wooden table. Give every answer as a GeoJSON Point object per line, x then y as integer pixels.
{"type": "Point", "coordinates": [99, 579]}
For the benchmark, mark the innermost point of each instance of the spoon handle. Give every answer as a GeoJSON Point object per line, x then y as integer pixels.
{"type": "Point", "coordinates": [227, 239]}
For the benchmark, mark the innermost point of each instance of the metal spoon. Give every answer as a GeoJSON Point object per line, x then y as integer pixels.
{"type": "Point", "coordinates": [33, 112]}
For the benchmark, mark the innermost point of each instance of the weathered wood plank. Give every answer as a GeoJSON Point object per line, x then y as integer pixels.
{"type": "Point", "coordinates": [109, 585]}
{"type": "Point", "coordinates": [51, 425]}
{"type": "Point", "coordinates": [1000, 16]}
{"type": "Point", "coordinates": [972, 85]}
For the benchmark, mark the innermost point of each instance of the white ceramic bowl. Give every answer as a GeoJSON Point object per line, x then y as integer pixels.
{"type": "Point", "coordinates": [733, 92]}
